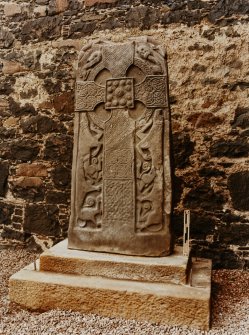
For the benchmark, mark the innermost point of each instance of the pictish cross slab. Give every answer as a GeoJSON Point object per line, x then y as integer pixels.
{"type": "Point", "coordinates": [121, 184]}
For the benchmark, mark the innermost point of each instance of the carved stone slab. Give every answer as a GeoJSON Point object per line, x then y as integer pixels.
{"type": "Point", "coordinates": [121, 185]}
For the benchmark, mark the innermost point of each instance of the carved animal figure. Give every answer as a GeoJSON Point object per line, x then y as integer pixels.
{"type": "Point", "coordinates": [91, 144]}
{"type": "Point", "coordinates": [145, 52]}
{"type": "Point", "coordinates": [93, 170]}
{"type": "Point", "coordinates": [94, 58]}
{"type": "Point", "coordinates": [146, 177]}
{"type": "Point", "coordinates": [90, 210]}
{"type": "Point", "coordinates": [149, 217]}
{"type": "Point", "coordinates": [153, 136]}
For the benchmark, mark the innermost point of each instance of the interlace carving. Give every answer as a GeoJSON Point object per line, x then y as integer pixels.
{"type": "Point", "coordinates": [88, 95]}
{"type": "Point", "coordinates": [120, 164]}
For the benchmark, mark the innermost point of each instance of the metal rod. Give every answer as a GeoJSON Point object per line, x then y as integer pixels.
{"type": "Point", "coordinates": [186, 232]}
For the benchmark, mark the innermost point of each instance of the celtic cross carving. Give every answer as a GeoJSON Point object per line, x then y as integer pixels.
{"type": "Point", "coordinates": [121, 187]}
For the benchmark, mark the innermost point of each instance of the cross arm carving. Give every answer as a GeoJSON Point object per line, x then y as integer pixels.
{"type": "Point", "coordinates": [152, 92]}
{"type": "Point", "coordinates": [88, 96]}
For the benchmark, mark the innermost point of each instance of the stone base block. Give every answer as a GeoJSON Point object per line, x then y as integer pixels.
{"type": "Point", "coordinates": [150, 300]}
{"type": "Point", "coordinates": [172, 268]}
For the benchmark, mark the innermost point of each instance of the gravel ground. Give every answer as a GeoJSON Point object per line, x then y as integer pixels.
{"type": "Point", "coordinates": [230, 312]}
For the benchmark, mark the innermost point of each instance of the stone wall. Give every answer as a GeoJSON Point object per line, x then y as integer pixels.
{"type": "Point", "coordinates": [207, 44]}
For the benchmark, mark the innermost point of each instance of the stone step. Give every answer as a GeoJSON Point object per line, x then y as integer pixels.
{"type": "Point", "coordinates": [168, 269]}
{"type": "Point", "coordinates": [164, 303]}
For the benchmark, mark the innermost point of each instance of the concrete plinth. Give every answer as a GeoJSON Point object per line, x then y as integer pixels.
{"type": "Point", "coordinates": [152, 289]}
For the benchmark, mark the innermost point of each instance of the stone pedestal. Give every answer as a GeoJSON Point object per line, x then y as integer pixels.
{"type": "Point", "coordinates": [169, 290]}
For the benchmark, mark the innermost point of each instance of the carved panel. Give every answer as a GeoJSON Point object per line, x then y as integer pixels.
{"type": "Point", "coordinates": [149, 171]}
{"type": "Point", "coordinates": [117, 60]}
{"type": "Point", "coordinates": [118, 163]}
{"type": "Point", "coordinates": [89, 186]}
{"type": "Point", "coordinates": [119, 93]}
{"type": "Point", "coordinates": [119, 175]}
{"type": "Point", "coordinates": [119, 200]}
{"type": "Point", "coordinates": [121, 188]}
{"type": "Point", "coordinates": [88, 95]}
{"type": "Point", "coordinates": [152, 91]}
{"type": "Point", "coordinates": [119, 140]}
